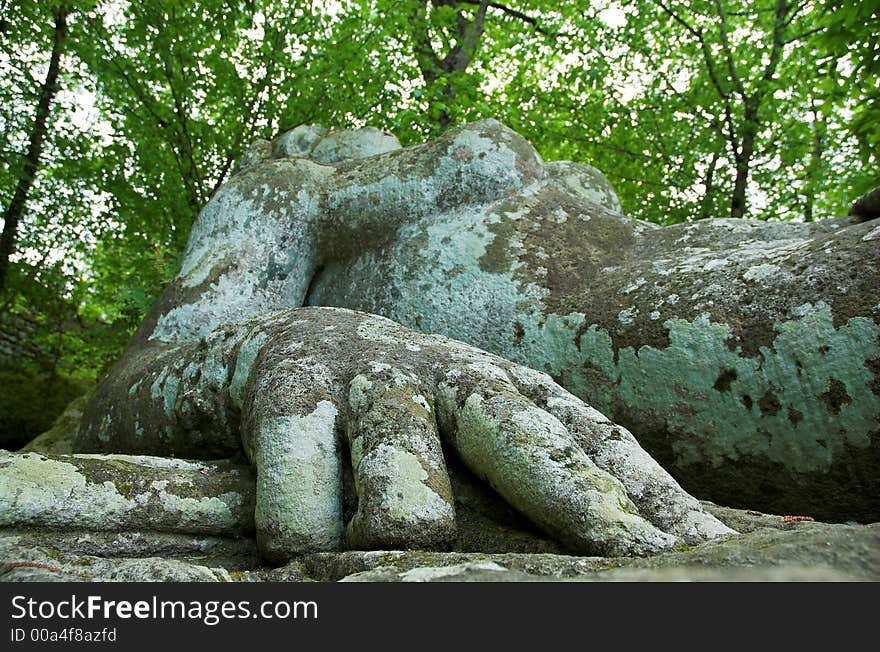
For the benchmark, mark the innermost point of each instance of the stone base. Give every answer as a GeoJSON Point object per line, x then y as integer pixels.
{"type": "Point", "coordinates": [770, 548]}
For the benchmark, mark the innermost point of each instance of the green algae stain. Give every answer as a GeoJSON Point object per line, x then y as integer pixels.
{"type": "Point", "coordinates": [799, 401]}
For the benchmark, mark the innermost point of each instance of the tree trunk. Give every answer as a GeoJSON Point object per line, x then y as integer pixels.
{"type": "Point", "coordinates": [15, 210]}
{"type": "Point", "coordinates": [819, 128]}
{"type": "Point", "coordinates": [433, 68]}
{"type": "Point", "coordinates": [743, 158]}
{"type": "Point", "coordinates": [708, 181]}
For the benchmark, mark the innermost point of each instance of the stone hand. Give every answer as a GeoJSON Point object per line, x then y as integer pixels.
{"type": "Point", "coordinates": [306, 386]}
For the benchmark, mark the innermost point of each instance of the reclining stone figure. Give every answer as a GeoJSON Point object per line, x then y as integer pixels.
{"type": "Point", "coordinates": [720, 343]}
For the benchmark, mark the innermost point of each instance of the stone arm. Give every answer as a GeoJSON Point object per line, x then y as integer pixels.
{"type": "Point", "coordinates": [226, 362]}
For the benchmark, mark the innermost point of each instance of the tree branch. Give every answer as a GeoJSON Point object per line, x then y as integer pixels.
{"type": "Point", "coordinates": [15, 210]}
{"type": "Point", "coordinates": [712, 120]}
{"type": "Point", "coordinates": [710, 69]}
{"type": "Point", "coordinates": [150, 104]}
{"type": "Point", "coordinates": [469, 33]}
{"type": "Point", "coordinates": [515, 13]}
{"type": "Point", "coordinates": [427, 59]}
{"type": "Point", "coordinates": [248, 120]}
{"type": "Point", "coordinates": [782, 9]}
{"type": "Point", "coordinates": [728, 55]}
{"type": "Point", "coordinates": [193, 181]}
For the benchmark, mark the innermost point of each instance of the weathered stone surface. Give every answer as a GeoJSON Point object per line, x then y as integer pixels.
{"type": "Point", "coordinates": [330, 567]}
{"type": "Point", "coordinates": [485, 522]}
{"type": "Point", "coordinates": [293, 379]}
{"type": "Point", "coordinates": [352, 144]}
{"type": "Point", "coordinates": [853, 550]}
{"type": "Point", "coordinates": [743, 355]}
{"type": "Point", "coordinates": [492, 572]}
{"type": "Point", "coordinates": [486, 571]}
{"type": "Point", "coordinates": [297, 142]}
{"type": "Point", "coordinates": [227, 551]}
{"type": "Point", "coordinates": [806, 552]}
{"type": "Point", "coordinates": [866, 207]}
{"type": "Point", "coordinates": [49, 565]}
{"type": "Point", "coordinates": [259, 151]}
{"type": "Point", "coordinates": [773, 548]}
{"type": "Point", "coordinates": [124, 492]}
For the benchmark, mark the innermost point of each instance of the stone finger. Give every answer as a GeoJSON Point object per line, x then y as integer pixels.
{"type": "Point", "coordinates": [613, 448]}
{"type": "Point", "coordinates": [530, 458]}
{"type": "Point", "coordinates": [290, 430]}
{"type": "Point", "coordinates": [404, 495]}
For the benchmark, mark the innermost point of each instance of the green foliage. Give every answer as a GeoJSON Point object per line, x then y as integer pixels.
{"type": "Point", "coordinates": [30, 399]}
{"type": "Point", "coordinates": [852, 37]}
{"type": "Point", "coordinates": [697, 91]}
